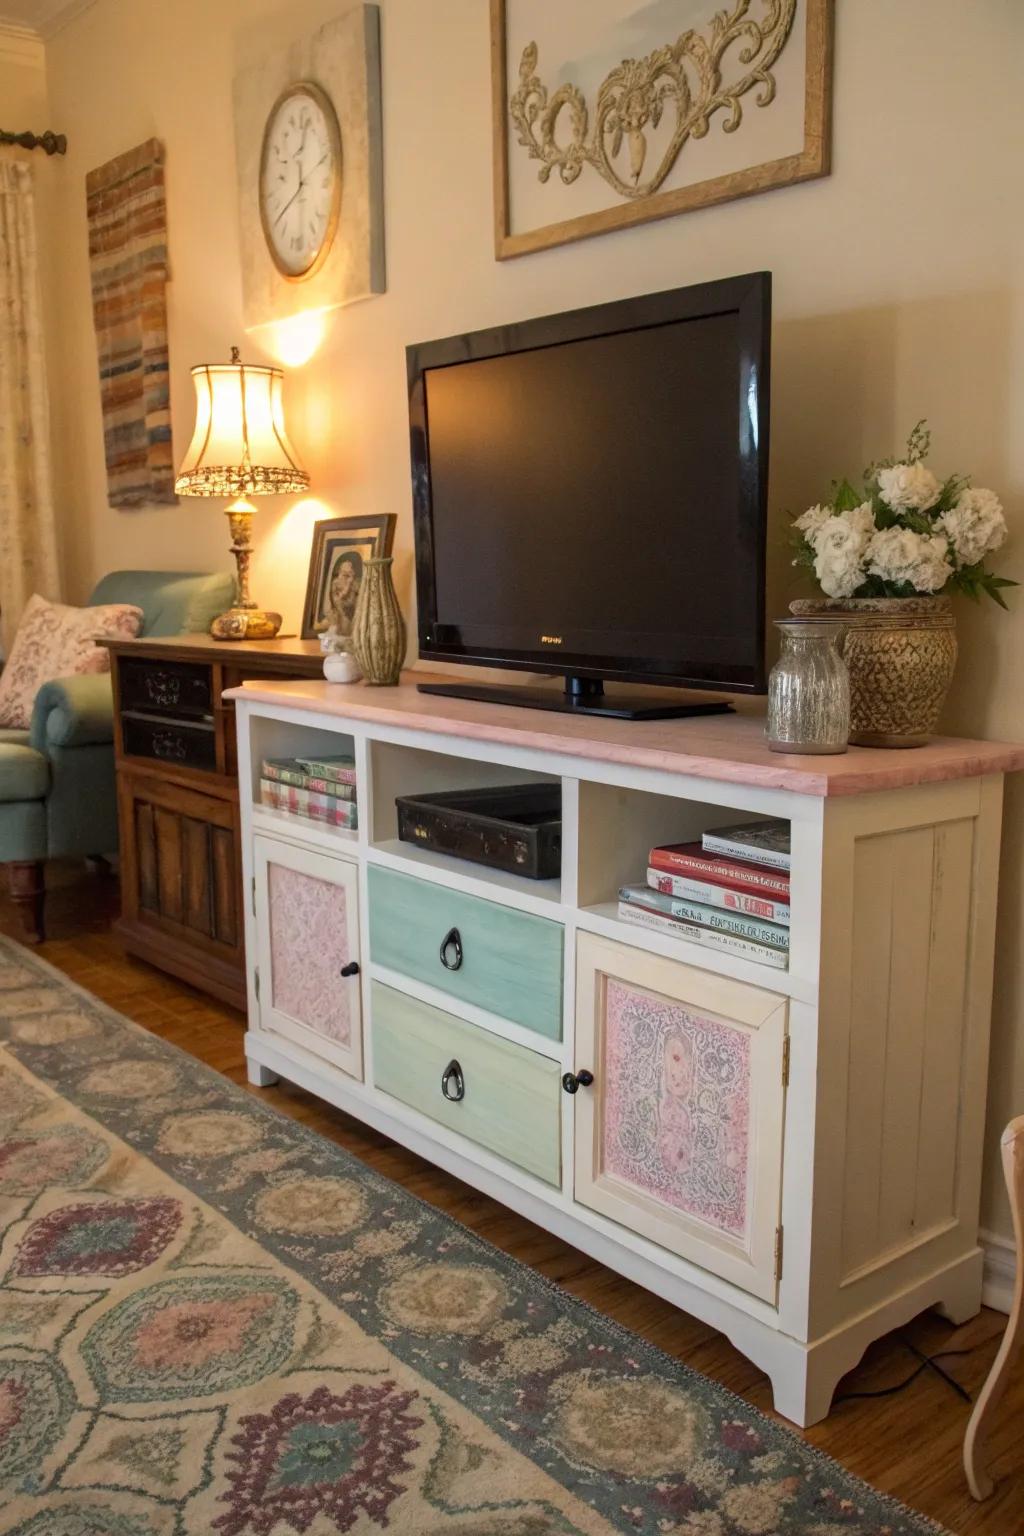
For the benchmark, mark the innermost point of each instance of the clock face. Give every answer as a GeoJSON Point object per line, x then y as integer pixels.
{"type": "Point", "coordinates": [300, 180]}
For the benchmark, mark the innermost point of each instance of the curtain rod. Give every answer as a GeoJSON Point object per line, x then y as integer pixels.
{"type": "Point", "coordinates": [53, 143]}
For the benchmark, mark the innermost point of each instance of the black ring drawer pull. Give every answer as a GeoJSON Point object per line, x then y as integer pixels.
{"type": "Point", "coordinates": [572, 1082]}
{"type": "Point", "coordinates": [352, 969]}
{"type": "Point", "coordinates": [452, 1074]}
{"type": "Point", "coordinates": [451, 940]}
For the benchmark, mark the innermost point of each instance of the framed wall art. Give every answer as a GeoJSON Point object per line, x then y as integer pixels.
{"type": "Point", "coordinates": [613, 112]}
{"type": "Point", "coordinates": [341, 546]}
{"type": "Point", "coordinates": [308, 144]}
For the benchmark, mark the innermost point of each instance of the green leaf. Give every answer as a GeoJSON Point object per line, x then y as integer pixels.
{"type": "Point", "coordinates": [846, 498]}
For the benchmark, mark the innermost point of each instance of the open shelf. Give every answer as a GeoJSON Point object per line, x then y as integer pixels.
{"type": "Point", "coordinates": [617, 829]}
{"type": "Point", "coordinates": [401, 770]}
{"type": "Point", "coordinates": [265, 818]}
{"type": "Point", "coordinates": [537, 896]}
{"type": "Point", "coordinates": [603, 918]}
{"type": "Point", "coordinates": [283, 738]}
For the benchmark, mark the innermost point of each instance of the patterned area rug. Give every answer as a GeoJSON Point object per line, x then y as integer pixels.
{"type": "Point", "coordinates": [213, 1321]}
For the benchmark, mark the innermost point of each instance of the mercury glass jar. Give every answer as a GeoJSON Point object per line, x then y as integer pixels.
{"type": "Point", "coordinates": [809, 689]}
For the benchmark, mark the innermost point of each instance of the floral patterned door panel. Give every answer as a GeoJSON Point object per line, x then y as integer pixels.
{"type": "Point", "coordinates": [680, 1136]}
{"type": "Point", "coordinates": [676, 1104]}
{"type": "Point", "coordinates": [308, 944]}
{"type": "Point", "coordinates": [308, 924]}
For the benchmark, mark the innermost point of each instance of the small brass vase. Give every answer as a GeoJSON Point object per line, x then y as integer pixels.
{"type": "Point", "coordinates": [378, 629]}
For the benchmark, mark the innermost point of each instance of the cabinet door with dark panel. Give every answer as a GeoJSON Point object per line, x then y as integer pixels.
{"type": "Point", "coordinates": [180, 874]}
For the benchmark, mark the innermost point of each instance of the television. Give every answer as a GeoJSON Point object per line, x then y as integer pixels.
{"type": "Point", "coordinates": [589, 499]}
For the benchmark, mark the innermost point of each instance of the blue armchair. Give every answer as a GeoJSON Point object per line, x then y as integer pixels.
{"type": "Point", "coordinates": [57, 794]}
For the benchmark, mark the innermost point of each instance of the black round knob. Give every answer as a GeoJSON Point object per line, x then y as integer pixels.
{"type": "Point", "coordinates": [572, 1082]}
{"type": "Point", "coordinates": [352, 969]}
{"type": "Point", "coordinates": [451, 950]}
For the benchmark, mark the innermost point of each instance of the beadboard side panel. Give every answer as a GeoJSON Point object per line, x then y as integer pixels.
{"type": "Point", "coordinates": [905, 996]}
{"type": "Point", "coordinates": [910, 938]}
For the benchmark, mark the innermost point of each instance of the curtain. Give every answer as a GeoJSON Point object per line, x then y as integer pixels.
{"type": "Point", "coordinates": [28, 536]}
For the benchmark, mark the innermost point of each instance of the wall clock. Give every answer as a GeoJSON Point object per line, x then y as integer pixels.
{"type": "Point", "coordinates": [300, 180]}
{"type": "Point", "coordinates": [308, 146]}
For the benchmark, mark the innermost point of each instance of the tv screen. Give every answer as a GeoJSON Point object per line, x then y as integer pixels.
{"type": "Point", "coordinates": [590, 490]}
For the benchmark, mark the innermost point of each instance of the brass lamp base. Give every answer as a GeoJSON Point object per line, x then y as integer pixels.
{"type": "Point", "coordinates": [245, 621]}
{"type": "Point", "coordinates": [245, 624]}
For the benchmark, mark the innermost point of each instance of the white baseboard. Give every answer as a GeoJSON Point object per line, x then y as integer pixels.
{"type": "Point", "coordinates": [999, 1272]}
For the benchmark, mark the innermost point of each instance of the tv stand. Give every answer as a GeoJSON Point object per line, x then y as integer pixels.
{"type": "Point", "coordinates": [580, 696]}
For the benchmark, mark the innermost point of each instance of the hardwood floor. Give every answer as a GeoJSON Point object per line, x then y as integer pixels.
{"type": "Point", "coordinates": [907, 1445]}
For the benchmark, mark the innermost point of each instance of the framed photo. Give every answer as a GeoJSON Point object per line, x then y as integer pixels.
{"type": "Point", "coordinates": [341, 546]}
{"type": "Point", "coordinates": [608, 113]}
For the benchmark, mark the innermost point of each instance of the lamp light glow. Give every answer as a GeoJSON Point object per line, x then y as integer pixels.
{"type": "Point", "coordinates": [240, 448]}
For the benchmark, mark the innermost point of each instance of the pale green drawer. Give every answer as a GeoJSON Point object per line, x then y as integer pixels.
{"type": "Point", "coordinates": [511, 961]}
{"type": "Point", "coordinates": [511, 1102]}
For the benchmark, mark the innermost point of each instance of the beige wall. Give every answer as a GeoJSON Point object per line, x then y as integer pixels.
{"type": "Point", "coordinates": [899, 293]}
{"type": "Point", "coordinates": [23, 99]}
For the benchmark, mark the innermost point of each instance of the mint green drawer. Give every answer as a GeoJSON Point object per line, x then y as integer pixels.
{"type": "Point", "coordinates": [511, 961]}
{"type": "Point", "coordinates": [511, 1103]}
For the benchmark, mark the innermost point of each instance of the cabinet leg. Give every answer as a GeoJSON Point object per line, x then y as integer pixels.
{"type": "Point", "coordinates": [259, 1075]}
{"type": "Point", "coordinates": [802, 1388]}
{"type": "Point", "coordinates": [962, 1300]}
{"type": "Point", "coordinates": [28, 892]}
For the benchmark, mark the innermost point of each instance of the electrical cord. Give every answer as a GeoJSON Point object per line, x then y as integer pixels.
{"type": "Point", "coordinates": [928, 1363]}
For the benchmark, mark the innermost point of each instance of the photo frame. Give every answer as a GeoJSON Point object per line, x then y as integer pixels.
{"type": "Point", "coordinates": [341, 545]}
{"type": "Point", "coordinates": [604, 118]}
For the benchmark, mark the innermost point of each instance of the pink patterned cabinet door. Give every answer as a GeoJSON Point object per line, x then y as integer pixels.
{"type": "Point", "coordinates": [680, 1135]}
{"type": "Point", "coordinates": [310, 980]}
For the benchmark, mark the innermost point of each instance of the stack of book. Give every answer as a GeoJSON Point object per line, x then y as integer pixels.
{"type": "Point", "coordinates": [322, 789]}
{"type": "Point", "coordinates": [728, 892]}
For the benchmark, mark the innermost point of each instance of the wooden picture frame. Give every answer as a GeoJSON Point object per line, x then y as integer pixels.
{"type": "Point", "coordinates": [813, 160]}
{"type": "Point", "coordinates": [348, 542]}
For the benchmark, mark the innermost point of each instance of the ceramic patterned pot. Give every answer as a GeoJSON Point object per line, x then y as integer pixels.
{"type": "Point", "coordinates": [901, 656]}
{"type": "Point", "coordinates": [378, 629]}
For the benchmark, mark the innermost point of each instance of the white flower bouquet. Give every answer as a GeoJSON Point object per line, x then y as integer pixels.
{"type": "Point", "coordinates": [907, 534]}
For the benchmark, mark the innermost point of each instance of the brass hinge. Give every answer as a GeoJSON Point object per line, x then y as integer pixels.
{"type": "Point", "coordinates": [257, 983]}
{"type": "Point", "coordinates": [778, 1253]}
{"type": "Point", "coordinates": [785, 1062]}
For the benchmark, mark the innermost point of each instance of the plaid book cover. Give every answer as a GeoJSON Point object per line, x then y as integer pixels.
{"type": "Point", "coordinates": [328, 809]}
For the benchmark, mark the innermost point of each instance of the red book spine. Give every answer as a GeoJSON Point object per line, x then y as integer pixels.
{"type": "Point", "coordinates": [752, 878]}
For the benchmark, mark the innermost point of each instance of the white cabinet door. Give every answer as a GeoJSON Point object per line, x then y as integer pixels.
{"type": "Point", "coordinates": [307, 919]}
{"type": "Point", "coordinates": [679, 1136]}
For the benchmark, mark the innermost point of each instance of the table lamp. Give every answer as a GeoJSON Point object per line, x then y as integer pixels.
{"type": "Point", "coordinates": [240, 448]}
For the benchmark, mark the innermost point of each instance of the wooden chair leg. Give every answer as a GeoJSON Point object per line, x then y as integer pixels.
{"type": "Point", "coordinates": [28, 892]}
{"type": "Point", "coordinates": [978, 1480]}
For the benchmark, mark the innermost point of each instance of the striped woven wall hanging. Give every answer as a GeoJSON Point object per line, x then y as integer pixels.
{"type": "Point", "coordinates": [127, 213]}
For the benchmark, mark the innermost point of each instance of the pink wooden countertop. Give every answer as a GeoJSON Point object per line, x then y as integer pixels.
{"type": "Point", "coordinates": [729, 748]}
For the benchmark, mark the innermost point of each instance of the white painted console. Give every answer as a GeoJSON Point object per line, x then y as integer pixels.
{"type": "Point", "coordinates": [833, 1113]}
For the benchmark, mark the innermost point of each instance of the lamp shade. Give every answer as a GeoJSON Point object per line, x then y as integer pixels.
{"type": "Point", "coordinates": [239, 446]}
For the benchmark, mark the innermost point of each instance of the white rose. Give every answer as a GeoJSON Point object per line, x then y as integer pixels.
{"type": "Point", "coordinates": [810, 521]}
{"type": "Point", "coordinates": [935, 567]}
{"type": "Point", "coordinates": [899, 555]}
{"type": "Point", "coordinates": [909, 487]}
{"type": "Point", "coordinates": [976, 525]}
{"type": "Point", "coordinates": [838, 549]}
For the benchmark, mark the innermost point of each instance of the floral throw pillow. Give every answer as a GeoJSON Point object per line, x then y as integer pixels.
{"type": "Point", "coordinates": [56, 641]}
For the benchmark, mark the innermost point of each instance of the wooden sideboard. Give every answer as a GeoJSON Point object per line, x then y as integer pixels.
{"type": "Point", "coordinates": [177, 788]}
{"type": "Point", "coordinates": [830, 1185]}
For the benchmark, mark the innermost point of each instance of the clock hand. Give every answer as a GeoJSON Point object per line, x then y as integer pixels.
{"type": "Point", "coordinates": [288, 204]}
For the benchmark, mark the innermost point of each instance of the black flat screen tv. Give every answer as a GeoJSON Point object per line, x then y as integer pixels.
{"type": "Point", "coordinates": [590, 497]}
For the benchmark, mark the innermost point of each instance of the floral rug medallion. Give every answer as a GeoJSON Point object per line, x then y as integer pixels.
{"type": "Point", "coordinates": [214, 1323]}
